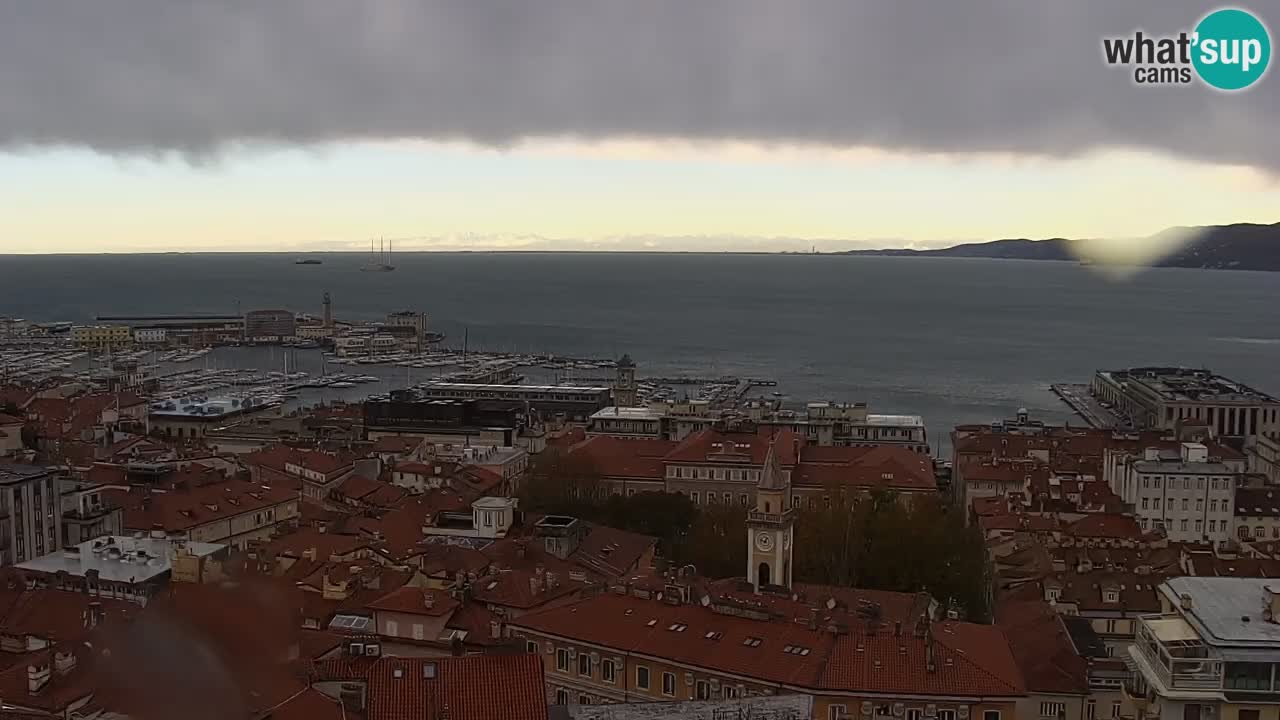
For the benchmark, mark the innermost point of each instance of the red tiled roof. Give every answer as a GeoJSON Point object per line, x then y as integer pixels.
{"type": "Point", "coordinates": [476, 687]}
{"type": "Point", "coordinates": [182, 509]}
{"type": "Point", "coordinates": [513, 588]}
{"type": "Point", "coordinates": [416, 601]}
{"type": "Point", "coordinates": [711, 443]}
{"type": "Point", "coordinates": [274, 457]}
{"type": "Point", "coordinates": [1043, 648]}
{"type": "Point", "coordinates": [370, 492]}
{"type": "Point", "coordinates": [309, 704]}
{"type": "Point", "coordinates": [624, 457]}
{"type": "Point", "coordinates": [326, 544]}
{"type": "Point", "coordinates": [969, 660]}
{"type": "Point", "coordinates": [883, 466]}
{"type": "Point", "coordinates": [396, 444]}
{"type": "Point", "coordinates": [60, 615]}
{"type": "Point", "coordinates": [414, 468]}
{"type": "Point", "coordinates": [1105, 525]}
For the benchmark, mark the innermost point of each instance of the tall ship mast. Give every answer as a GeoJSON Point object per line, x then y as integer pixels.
{"type": "Point", "coordinates": [379, 261]}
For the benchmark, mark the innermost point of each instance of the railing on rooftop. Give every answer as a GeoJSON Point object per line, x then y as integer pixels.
{"type": "Point", "coordinates": [1180, 665]}
{"type": "Point", "coordinates": [769, 517]}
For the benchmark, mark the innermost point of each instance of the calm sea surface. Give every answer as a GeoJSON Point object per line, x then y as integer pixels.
{"type": "Point", "coordinates": [953, 340]}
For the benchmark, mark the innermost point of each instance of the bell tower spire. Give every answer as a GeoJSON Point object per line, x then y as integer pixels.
{"type": "Point", "coordinates": [770, 526]}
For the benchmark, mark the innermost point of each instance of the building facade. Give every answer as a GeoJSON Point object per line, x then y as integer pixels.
{"type": "Point", "coordinates": [1186, 492]}
{"type": "Point", "coordinates": [1211, 653]}
{"type": "Point", "coordinates": [101, 337]}
{"type": "Point", "coordinates": [30, 513]}
{"type": "Point", "coordinates": [1161, 397]}
{"type": "Point", "coordinates": [269, 323]}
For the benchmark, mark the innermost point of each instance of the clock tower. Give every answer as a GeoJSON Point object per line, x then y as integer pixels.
{"type": "Point", "coordinates": [770, 527]}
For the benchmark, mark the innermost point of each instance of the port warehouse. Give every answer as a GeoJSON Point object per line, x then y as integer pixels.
{"type": "Point", "coordinates": [475, 404]}
{"type": "Point", "coordinates": [184, 329]}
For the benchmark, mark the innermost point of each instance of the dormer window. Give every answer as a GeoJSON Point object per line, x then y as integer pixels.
{"type": "Point", "coordinates": [1052, 594]}
{"type": "Point", "coordinates": [1111, 596]}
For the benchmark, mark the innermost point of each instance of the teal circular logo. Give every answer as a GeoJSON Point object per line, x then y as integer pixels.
{"type": "Point", "coordinates": [1231, 49]}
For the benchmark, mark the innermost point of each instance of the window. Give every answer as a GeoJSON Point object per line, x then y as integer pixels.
{"type": "Point", "coordinates": [730, 692]}
{"type": "Point", "coordinates": [608, 671]}
{"type": "Point", "coordinates": [1199, 504]}
{"type": "Point", "coordinates": [1182, 525]}
{"type": "Point", "coordinates": [1146, 483]}
{"type": "Point", "coordinates": [531, 647]}
{"type": "Point", "coordinates": [584, 664]}
{"type": "Point", "coordinates": [1090, 710]}
{"type": "Point", "coordinates": [1259, 531]}
{"type": "Point", "coordinates": [642, 677]}
{"type": "Point", "coordinates": [1199, 526]}
{"type": "Point", "coordinates": [1213, 506]}
{"type": "Point", "coordinates": [711, 498]}
{"type": "Point", "coordinates": [693, 497]}
{"type": "Point", "coordinates": [1111, 626]}
{"type": "Point", "coordinates": [392, 628]}
{"type": "Point", "coordinates": [1115, 709]}
{"type": "Point", "coordinates": [742, 499]}
{"type": "Point", "coordinates": [668, 684]}
{"type": "Point", "coordinates": [1185, 504]}
{"type": "Point", "coordinates": [946, 715]}
{"type": "Point", "coordinates": [562, 697]}
{"type": "Point", "coordinates": [1199, 485]}
{"type": "Point", "coordinates": [1246, 714]}
{"type": "Point", "coordinates": [837, 712]}
{"type": "Point", "coordinates": [584, 700]}
{"type": "Point", "coordinates": [1052, 709]}
{"type": "Point", "coordinates": [1247, 676]}
{"type": "Point", "coordinates": [728, 498]}
{"type": "Point", "coordinates": [913, 714]}
{"type": "Point", "coordinates": [417, 631]}
{"type": "Point", "coordinates": [702, 690]}
{"type": "Point", "coordinates": [991, 715]}
{"type": "Point", "coordinates": [1144, 503]}
{"type": "Point", "coordinates": [562, 659]}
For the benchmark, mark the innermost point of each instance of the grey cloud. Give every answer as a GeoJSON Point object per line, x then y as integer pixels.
{"type": "Point", "coordinates": [998, 75]}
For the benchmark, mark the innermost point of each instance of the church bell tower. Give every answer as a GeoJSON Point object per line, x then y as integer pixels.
{"type": "Point", "coordinates": [624, 384]}
{"type": "Point", "coordinates": [770, 527]}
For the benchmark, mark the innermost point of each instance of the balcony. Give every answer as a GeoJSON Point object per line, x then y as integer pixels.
{"type": "Point", "coordinates": [756, 516]}
{"type": "Point", "coordinates": [1171, 657]}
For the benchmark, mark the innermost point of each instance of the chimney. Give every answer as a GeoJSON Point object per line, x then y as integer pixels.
{"type": "Point", "coordinates": [37, 677]}
{"type": "Point", "coordinates": [309, 554]}
{"type": "Point", "coordinates": [533, 585]}
{"type": "Point", "coordinates": [1273, 602]}
{"type": "Point", "coordinates": [1185, 601]}
{"type": "Point", "coordinates": [429, 599]}
{"type": "Point", "coordinates": [455, 646]}
{"type": "Point", "coordinates": [813, 618]}
{"type": "Point", "coordinates": [897, 628]}
{"type": "Point", "coordinates": [63, 662]}
{"type": "Point", "coordinates": [95, 614]}
{"type": "Point", "coordinates": [495, 629]}
{"type": "Point", "coordinates": [553, 580]}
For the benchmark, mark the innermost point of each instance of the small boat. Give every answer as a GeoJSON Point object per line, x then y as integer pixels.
{"type": "Point", "coordinates": [342, 385]}
{"type": "Point", "coordinates": [308, 261]}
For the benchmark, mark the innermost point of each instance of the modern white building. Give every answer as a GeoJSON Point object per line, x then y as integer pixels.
{"type": "Point", "coordinates": [1211, 654]}
{"type": "Point", "coordinates": [151, 336]}
{"type": "Point", "coordinates": [1187, 492]}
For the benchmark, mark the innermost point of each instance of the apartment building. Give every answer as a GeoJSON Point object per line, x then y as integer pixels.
{"type": "Point", "coordinates": [230, 512]}
{"type": "Point", "coordinates": [1211, 653]}
{"type": "Point", "coordinates": [30, 513]}
{"type": "Point", "coordinates": [101, 337]}
{"type": "Point", "coordinates": [1185, 491]}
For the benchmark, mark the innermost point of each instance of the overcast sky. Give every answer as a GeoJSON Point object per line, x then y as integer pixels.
{"type": "Point", "coordinates": [153, 124]}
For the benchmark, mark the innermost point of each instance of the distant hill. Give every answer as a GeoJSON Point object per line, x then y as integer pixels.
{"type": "Point", "coordinates": [1221, 247]}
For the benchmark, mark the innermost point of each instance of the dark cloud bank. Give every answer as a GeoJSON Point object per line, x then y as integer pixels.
{"type": "Point", "coordinates": [937, 75]}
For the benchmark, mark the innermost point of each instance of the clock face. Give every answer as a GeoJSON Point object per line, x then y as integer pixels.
{"type": "Point", "coordinates": [764, 541]}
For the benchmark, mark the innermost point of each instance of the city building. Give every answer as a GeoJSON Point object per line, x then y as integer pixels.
{"type": "Point", "coordinates": [821, 423]}
{"type": "Point", "coordinates": [410, 319]}
{"type": "Point", "coordinates": [680, 637]}
{"type": "Point", "coordinates": [577, 403]}
{"type": "Point", "coordinates": [624, 384]}
{"type": "Point", "coordinates": [151, 336]}
{"type": "Point", "coordinates": [230, 512]}
{"type": "Point", "coordinates": [101, 337]}
{"type": "Point", "coordinates": [1160, 397]}
{"type": "Point", "coordinates": [1264, 459]}
{"type": "Point", "coordinates": [185, 330]}
{"type": "Point", "coordinates": [269, 324]}
{"type": "Point", "coordinates": [194, 417]}
{"type": "Point", "coordinates": [1183, 490]}
{"type": "Point", "coordinates": [1210, 652]}
{"type": "Point", "coordinates": [30, 513]}
{"type": "Point", "coordinates": [124, 568]}
{"type": "Point", "coordinates": [86, 514]}
{"type": "Point", "coordinates": [1257, 513]}
{"type": "Point", "coordinates": [10, 434]}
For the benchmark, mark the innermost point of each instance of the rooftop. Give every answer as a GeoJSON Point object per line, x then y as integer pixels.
{"type": "Point", "coordinates": [118, 558]}
{"type": "Point", "coordinates": [206, 407]}
{"type": "Point", "coordinates": [1180, 384]}
{"type": "Point", "coordinates": [20, 473]}
{"type": "Point", "coordinates": [628, 413]}
{"type": "Point", "coordinates": [896, 420]}
{"type": "Point", "coordinates": [1226, 610]}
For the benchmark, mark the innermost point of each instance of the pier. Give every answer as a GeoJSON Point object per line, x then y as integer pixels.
{"type": "Point", "coordinates": [1093, 412]}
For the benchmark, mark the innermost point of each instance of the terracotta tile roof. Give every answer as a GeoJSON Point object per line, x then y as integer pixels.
{"type": "Point", "coordinates": [15, 395]}
{"type": "Point", "coordinates": [1104, 525]}
{"type": "Point", "coordinates": [477, 480]}
{"type": "Point", "coordinates": [10, 420]}
{"type": "Point", "coordinates": [476, 621]}
{"type": "Point", "coordinates": [711, 443]}
{"type": "Point", "coordinates": [451, 559]}
{"type": "Point", "coordinates": [416, 601]}
{"type": "Point", "coordinates": [327, 545]}
{"type": "Point", "coordinates": [182, 509]}
{"type": "Point", "coordinates": [315, 644]}
{"type": "Point", "coordinates": [401, 527]}
{"type": "Point", "coordinates": [61, 615]}
{"type": "Point", "coordinates": [414, 468]}
{"type": "Point", "coordinates": [521, 589]}
{"type": "Point", "coordinates": [624, 457]}
{"type": "Point", "coordinates": [1043, 648]}
{"type": "Point", "coordinates": [969, 660]}
{"type": "Point", "coordinates": [876, 467]}
{"type": "Point", "coordinates": [611, 552]}
{"type": "Point", "coordinates": [1257, 502]}
{"type": "Point", "coordinates": [368, 491]}
{"type": "Point", "coordinates": [324, 462]}
{"type": "Point", "coordinates": [309, 704]}
{"type": "Point", "coordinates": [476, 687]}
{"type": "Point", "coordinates": [61, 690]}
{"type": "Point", "coordinates": [275, 457]}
